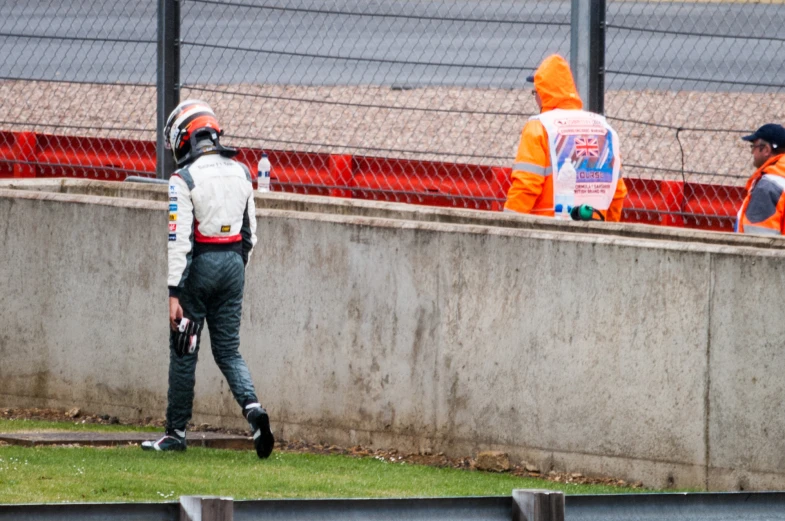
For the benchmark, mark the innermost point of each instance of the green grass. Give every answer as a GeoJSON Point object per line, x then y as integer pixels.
{"type": "Point", "coordinates": [57, 474]}
{"type": "Point", "coordinates": [86, 474]}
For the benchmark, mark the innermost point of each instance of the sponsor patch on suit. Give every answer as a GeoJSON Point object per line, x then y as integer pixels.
{"type": "Point", "coordinates": [173, 199]}
{"type": "Point", "coordinates": [226, 229]}
{"type": "Point", "coordinates": [172, 216]}
{"type": "Point", "coordinates": [172, 207]}
{"type": "Point", "coordinates": [172, 227]}
{"type": "Point", "coordinates": [172, 237]}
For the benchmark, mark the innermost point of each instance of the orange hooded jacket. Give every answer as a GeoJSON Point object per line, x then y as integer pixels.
{"type": "Point", "coordinates": [763, 210]}
{"type": "Point", "coordinates": [532, 180]}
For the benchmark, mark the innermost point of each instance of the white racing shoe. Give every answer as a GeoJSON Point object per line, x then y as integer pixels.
{"type": "Point", "coordinates": [173, 440]}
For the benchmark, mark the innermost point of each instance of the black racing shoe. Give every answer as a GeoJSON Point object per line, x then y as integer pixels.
{"type": "Point", "coordinates": [174, 439]}
{"type": "Point", "coordinates": [263, 440]}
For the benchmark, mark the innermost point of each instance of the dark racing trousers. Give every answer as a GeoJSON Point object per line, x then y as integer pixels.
{"type": "Point", "coordinates": [213, 291]}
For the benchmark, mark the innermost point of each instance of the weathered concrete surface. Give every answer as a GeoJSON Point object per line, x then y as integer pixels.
{"type": "Point", "coordinates": [358, 207]}
{"type": "Point", "coordinates": [212, 440]}
{"type": "Point", "coordinates": [746, 349]}
{"type": "Point", "coordinates": [143, 191]}
{"type": "Point", "coordinates": [562, 344]}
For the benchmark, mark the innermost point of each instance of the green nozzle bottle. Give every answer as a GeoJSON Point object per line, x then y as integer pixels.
{"type": "Point", "coordinates": [583, 212]}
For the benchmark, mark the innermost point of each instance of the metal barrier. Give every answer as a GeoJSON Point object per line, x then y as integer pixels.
{"type": "Point", "coordinates": [529, 505]}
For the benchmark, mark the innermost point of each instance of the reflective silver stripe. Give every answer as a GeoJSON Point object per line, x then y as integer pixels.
{"type": "Point", "coordinates": [777, 180]}
{"type": "Point", "coordinates": [532, 169]}
{"type": "Point", "coordinates": [532, 212]}
{"type": "Point", "coordinates": [759, 230]}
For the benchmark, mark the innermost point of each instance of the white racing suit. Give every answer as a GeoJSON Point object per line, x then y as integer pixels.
{"type": "Point", "coordinates": [212, 232]}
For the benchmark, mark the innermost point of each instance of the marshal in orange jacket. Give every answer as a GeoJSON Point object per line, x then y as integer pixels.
{"type": "Point", "coordinates": [763, 210]}
{"type": "Point", "coordinates": [532, 178]}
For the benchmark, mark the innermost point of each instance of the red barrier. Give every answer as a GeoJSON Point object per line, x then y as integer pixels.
{"type": "Point", "coordinates": [430, 183]}
{"type": "Point", "coordinates": [96, 158]}
{"type": "Point", "coordinates": [712, 207]}
{"type": "Point", "coordinates": [654, 202]}
{"type": "Point", "coordinates": [688, 205]}
{"type": "Point", "coordinates": [7, 153]}
{"type": "Point", "coordinates": [295, 172]}
{"type": "Point", "coordinates": [27, 154]}
{"type": "Point", "coordinates": [668, 203]}
{"type": "Point", "coordinates": [342, 174]}
{"type": "Point", "coordinates": [17, 154]}
{"type": "Point", "coordinates": [382, 179]}
{"type": "Point", "coordinates": [24, 150]}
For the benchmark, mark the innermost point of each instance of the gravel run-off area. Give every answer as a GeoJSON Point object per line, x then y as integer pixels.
{"type": "Point", "coordinates": [475, 126]}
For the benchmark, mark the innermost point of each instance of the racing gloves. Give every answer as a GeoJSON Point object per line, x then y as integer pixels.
{"type": "Point", "coordinates": [186, 336]}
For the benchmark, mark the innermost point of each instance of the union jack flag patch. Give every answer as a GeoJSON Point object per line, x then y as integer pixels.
{"type": "Point", "coordinates": [587, 147]}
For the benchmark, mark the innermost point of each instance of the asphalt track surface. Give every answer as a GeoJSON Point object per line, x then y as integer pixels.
{"type": "Point", "coordinates": [405, 43]}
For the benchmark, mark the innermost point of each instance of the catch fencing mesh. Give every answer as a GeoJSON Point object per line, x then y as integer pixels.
{"type": "Point", "coordinates": [388, 83]}
{"type": "Point", "coordinates": [423, 99]}
{"type": "Point", "coordinates": [684, 82]}
{"type": "Point", "coordinates": [83, 68]}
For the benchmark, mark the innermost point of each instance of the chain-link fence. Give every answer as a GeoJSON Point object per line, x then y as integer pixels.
{"type": "Point", "coordinates": [77, 68]}
{"type": "Point", "coordinates": [684, 82]}
{"type": "Point", "coordinates": [416, 80]}
{"type": "Point", "coordinates": [422, 98]}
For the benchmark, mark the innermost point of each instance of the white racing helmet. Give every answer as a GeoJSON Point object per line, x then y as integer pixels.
{"type": "Point", "coordinates": [187, 127]}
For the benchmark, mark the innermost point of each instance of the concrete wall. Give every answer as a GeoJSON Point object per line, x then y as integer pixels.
{"type": "Point", "coordinates": [567, 345]}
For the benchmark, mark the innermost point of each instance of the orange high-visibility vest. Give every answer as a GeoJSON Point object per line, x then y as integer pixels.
{"type": "Point", "coordinates": [763, 210]}
{"type": "Point", "coordinates": [531, 190]}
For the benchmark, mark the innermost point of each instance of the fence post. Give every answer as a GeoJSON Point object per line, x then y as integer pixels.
{"type": "Point", "coordinates": [206, 508]}
{"type": "Point", "coordinates": [587, 52]}
{"type": "Point", "coordinates": [168, 79]}
{"type": "Point", "coordinates": [537, 505]}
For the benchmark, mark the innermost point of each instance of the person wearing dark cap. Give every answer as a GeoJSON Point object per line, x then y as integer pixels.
{"type": "Point", "coordinates": [763, 210]}
{"type": "Point", "coordinates": [567, 159]}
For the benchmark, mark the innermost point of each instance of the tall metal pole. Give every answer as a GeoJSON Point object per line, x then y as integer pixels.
{"type": "Point", "coordinates": [587, 52]}
{"type": "Point", "coordinates": [597, 82]}
{"type": "Point", "coordinates": [168, 79]}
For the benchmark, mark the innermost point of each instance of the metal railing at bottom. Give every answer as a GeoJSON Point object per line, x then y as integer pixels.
{"type": "Point", "coordinates": [529, 505]}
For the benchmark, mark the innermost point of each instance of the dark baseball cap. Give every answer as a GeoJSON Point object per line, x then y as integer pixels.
{"type": "Point", "coordinates": [771, 133]}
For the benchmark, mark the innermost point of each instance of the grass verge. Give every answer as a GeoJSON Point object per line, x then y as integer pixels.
{"type": "Point", "coordinates": [89, 474]}
{"type": "Point", "coordinates": [82, 474]}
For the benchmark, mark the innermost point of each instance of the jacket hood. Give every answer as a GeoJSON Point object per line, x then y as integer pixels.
{"type": "Point", "coordinates": [555, 86]}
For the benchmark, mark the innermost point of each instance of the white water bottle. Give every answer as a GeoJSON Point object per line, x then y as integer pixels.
{"type": "Point", "coordinates": [263, 173]}
{"type": "Point", "coordinates": [564, 190]}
